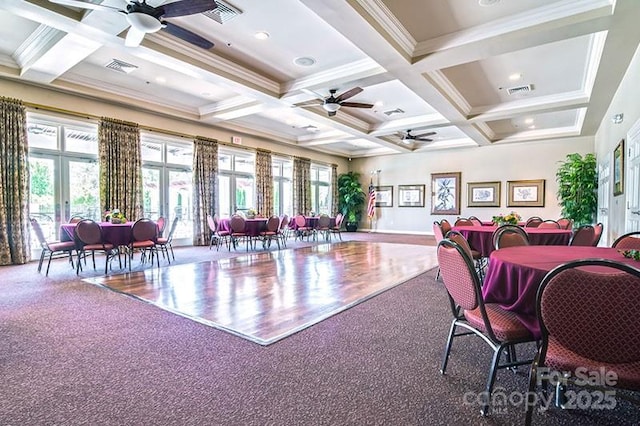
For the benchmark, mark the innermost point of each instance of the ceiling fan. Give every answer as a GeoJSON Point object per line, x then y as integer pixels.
{"type": "Point", "coordinates": [407, 137]}
{"type": "Point", "coordinates": [145, 19]}
{"type": "Point", "coordinates": [333, 103]}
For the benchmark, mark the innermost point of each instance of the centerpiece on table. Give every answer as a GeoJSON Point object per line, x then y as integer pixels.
{"type": "Point", "coordinates": [251, 213]}
{"type": "Point", "coordinates": [510, 219]}
{"type": "Point", "coordinates": [115, 216]}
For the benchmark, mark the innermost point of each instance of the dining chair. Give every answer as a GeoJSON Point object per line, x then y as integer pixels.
{"type": "Point", "coordinates": [164, 244]}
{"type": "Point", "coordinates": [586, 324]}
{"type": "Point", "coordinates": [497, 327]}
{"type": "Point", "coordinates": [323, 228]}
{"type": "Point", "coordinates": [475, 221]}
{"type": "Point", "coordinates": [51, 248]}
{"type": "Point", "coordinates": [630, 241]}
{"type": "Point", "coordinates": [445, 225]}
{"type": "Point", "coordinates": [161, 223]}
{"type": "Point", "coordinates": [88, 237]}
{"type": "Point", "coordinates": [337, 229]}
{"type": "Point", "coordinates": [565, 223]}
{"type": "Point", "coordinates": [75, 219]}
{"type": "Point", "coordinates": [597, 233]}
{"type": "Point", "coordinates": [302, 229]}
{"type": "Point", "coordinates": [271, 232]}
{"type": "Point", "coordinates": [463, 221]}
{"type": "Point", "coordinates": [283, 232]}
{"type": "Point", "coordinates": [583, 236]}
{"type": "Point", "coordinates": [144, 235]}
{"type": "Point", "coordinates": [478, 260]}
{"type": "Point", "coordinates": [238, 232]}
{"type": "Point", "coordinates": [510, 236]}
{"type": "Point", "coordinates": [549, 224]}
{"type": "Point", "coordinates": [533, 222]}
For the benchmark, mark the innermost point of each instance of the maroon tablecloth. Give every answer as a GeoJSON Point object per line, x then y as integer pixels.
{"type": "Point", "coordinates": [481, 237]}
{"type": "Point", "coordinates": [514, 274]}
{"type": "Point", "coordinates": [311, 222]}
{"type": "Point", "coordinates": [252, 227]}
{"type": "Point", "coordinates": [118, 234]}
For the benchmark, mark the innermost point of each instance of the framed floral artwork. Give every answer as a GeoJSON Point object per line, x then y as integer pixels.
{"type": "Point", "coordinates": [525, 193]}
{"type": "Point", "coordinates": [445, 193]}
{"type": "Point", "coordinates": [483, 194]}
{"type": "Point", "coordinates": [618, 169]}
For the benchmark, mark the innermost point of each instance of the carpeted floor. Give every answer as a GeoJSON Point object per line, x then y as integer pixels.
{"type": "Point", "coordinates": [78, 354]}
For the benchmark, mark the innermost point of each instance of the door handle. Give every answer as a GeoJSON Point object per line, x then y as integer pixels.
{"type": "Point", "coordinates": [635, 212]}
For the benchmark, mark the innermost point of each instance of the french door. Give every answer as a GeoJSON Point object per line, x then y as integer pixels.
{"type": "Point", "coordinates": [61, 187]}
{"type": "Point", "coordinates": [167, 191]}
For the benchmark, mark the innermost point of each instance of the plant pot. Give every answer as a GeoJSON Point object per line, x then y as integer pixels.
{"type": "Point", "coordinates": [351, 227]}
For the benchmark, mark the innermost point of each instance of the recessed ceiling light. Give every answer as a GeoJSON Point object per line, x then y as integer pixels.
{"type": "Point", "coordinates": [532, 126]}
{"type": "Point", "coordinates": [261, 35]}
{"type": "Point", "coordinates": [378, 103]}
{"type": "Point", "coordinates": [304, 61]}
{"type": "Point", "coordinates": [206, 94]}
{"type": "Point", "coordinates": [488, 2]}
{"type": "Point", "coordinates": [161, 80]}
{"type": "Point", "coordinates": [515, 76]}
{"type": "Point", "coordinates": [528, 121]}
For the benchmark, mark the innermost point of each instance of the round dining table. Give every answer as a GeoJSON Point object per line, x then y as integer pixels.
{"type": "Point", "coordinates": [252, 227]}
{"type": "Point", "coordinates": [118, 234]}
{"type": "Point", "coordinates": [515, 273]}
{"type": "Point", "coordinates": [480, 238]}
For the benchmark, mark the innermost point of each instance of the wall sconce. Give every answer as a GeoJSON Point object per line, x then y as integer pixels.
{"type": "Point", "coordinates": [618, 118]}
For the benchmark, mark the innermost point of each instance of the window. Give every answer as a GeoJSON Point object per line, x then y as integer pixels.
{"type": "Point", "coordinates": [64, 172]}
{"type": "Point", "coordinates": [236, 181]}
{"type": "Point", "coordinates": [166, 181]}
{"type": "Point", "coordinates": [282, 171]}
{"type": "Point", "coordinates": [320, 189]}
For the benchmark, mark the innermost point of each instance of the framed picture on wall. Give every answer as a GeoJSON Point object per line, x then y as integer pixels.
{"type": "Point", "coordinates": [445, 193]}
{"type": "Point", "coordinates": [618, 169]}
{"type": "Point", "coordinates": [410, 195]}
{"type": "Point", "coordinates": [483, 194]}
{"type": "Point", "coordinates": [384, 196]}
{"type": "Point", "coordinates": [525, 193]}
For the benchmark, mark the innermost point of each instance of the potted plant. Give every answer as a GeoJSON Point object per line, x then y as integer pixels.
{"type": "Point", "coordinates": [351, 199]}
{"type": "Point", "coordinates": [577, 179]}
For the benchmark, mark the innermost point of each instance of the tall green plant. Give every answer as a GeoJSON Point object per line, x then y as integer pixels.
{"type": "Point", "coordinates": [577, 179]}
{"type": "Point", "coordinates": [351, 195]}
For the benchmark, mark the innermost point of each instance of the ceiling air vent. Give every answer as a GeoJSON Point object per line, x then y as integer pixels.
{"type": "Point", "coordinates": [520, 89]}
{"type": "Point", "coordinates": [223, 13]}
{"type": "Point", "coordinates": [394, 111]}
{"type": "Point", "coordinates": [121, 66]}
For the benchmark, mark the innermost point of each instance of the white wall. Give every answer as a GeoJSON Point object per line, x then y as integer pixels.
{"type": "Point", "coordinates": [626, 101]}
{"type": "Point", "coordinates": [533, 160]}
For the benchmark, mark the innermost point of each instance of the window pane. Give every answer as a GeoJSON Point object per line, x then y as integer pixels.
{"type": "Point", "coordinates": [324, 175]}
{"type": "Point", "coordinates": [224, 162]}
{"type": "Point", "coordinates": [323, 199]}
{"type": "Point", "coordinates": [314, 199]}
{"type": "Point", "coordinates": [83, 181]}
{"type": "Point", "coordinates": [287, 170]}
{"type": "Point", "coordinates": [180, 204]}
{"type": "Point", "coordinates": [287, 198]}
{"type": "Point", "coordinates": [244, 193]}
{"type": "Point", "coordinates": [224, 197]}
{"type": "Point", "coordinates": [180, 154]}
{"type": "Point", "coordinates": [42, 136]}
{"type": "Point", "coordinates": [275, 170]}
{"type": "Point", "coordinates": [151, 192]}
{"type": "Point", "coordinates": [151, 151]}
{"type": "Point", "coordinates": [244, 164]}
{"type": "Point", "coordinates": [41, 197]}
{"type": "Point", "coordinates": [81, 140]}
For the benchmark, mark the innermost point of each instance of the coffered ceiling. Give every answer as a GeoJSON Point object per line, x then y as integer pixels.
{"type": "Point", "coordinates": [474, 72]}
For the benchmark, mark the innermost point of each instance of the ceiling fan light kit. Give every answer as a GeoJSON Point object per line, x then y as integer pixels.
{"type": "Point", "coordinates": [331, 107]}
{"type": "Point", "coordinates": [143, 22]}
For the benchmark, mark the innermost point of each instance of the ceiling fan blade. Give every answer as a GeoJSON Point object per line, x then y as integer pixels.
{"type": "Point", "coordinates": [83, 5]}
{"type": "Point", "coordinates": [426, 134]}
{"type": "Point", "coordinates": [312, 93]}
{"type": "Point", "coordinates": [348, 94]}
{"type": "Point", "coordinates": [356, 105]}
{"type": "Point", "coordinates": [187, 7]}
{"type": "Point", "coordinates": [423, 139]}
{"type": "Point", "coordinates": [187, 35]}
{"type": "Point", "coordinates": [134, 37]}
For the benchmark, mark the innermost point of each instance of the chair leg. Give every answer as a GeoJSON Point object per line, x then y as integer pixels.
{"type": "Point", "coordinates": [445, 358]}
{"type": "Point", "coordinates": [531, 398]}
{"type": "Point", "coordinates": [42, 254]}
{"type": "Point", "coordinates": [49, 263]}
{"type": "Point", "coordinates": [491, 379]}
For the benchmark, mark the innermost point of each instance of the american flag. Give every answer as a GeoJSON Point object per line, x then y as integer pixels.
{"type": "Point", "coordinates": [371, 208]}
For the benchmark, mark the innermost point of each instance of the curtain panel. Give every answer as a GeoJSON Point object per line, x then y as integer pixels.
{"type": "Point", "coordinates": [301, 185]}
{"type": "Point", "coordinates": [205, 187]}
{"type": "Point", "coordinates": [120, 167]}
{"type": "Point", "coordinates": [334, 190]}
{"type": "Point", "coordinates": [264, 183]}
{"type": "Point", "coordinates": [15, 245]}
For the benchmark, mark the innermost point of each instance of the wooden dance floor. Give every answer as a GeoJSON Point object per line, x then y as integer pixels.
{"type": "Point", "coordinates": [267, 296]}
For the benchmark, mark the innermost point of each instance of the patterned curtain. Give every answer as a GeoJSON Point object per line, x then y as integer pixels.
{"type": "Point", "coordinates": [205, 187]}
{"type": "Point", "coordinates": [14, 183]}
{"type": "Point", "coordinates": [334, 189]}
{"type": "Point", "coordinates": [301, 185]}
{"type": "Point", "coordinates": [120, 167]}
{"type": "Point", "coordinates": [264, 183]}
